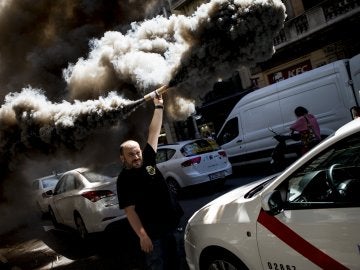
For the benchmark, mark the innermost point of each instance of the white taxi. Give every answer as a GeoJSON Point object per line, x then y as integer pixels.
{"type": "Point", "coordinates": [192, 162]}
{"type": "Point", "coordinates": [307, 217]}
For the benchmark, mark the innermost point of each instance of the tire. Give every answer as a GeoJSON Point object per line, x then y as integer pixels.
{"type": "Point", "coordinates": [174, 186]}
{"type": "Point", "coordinates": [222, 260]}
{"type": "Point", "coordinates": [80, 227]}
{"type": "Point", "coordinates": [53, 218]}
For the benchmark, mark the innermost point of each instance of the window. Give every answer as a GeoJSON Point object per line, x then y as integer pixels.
{"type": "Point", "coordinates": [49, 182]}
{"type": "Point", "coordinates": [164, 154]}
{"type": "Point", "coordinates": [229, 132]}
{"type": "Point", "coordinates": [60, 186]}
{"type": "Point", "coordinates": [332, 179]}
{"type": "Point", "coordinates": [70, 183]}
{"type": "Point", "coordinates": [95, 177]}
{"type": "Point", "coordinates": [197, 147]}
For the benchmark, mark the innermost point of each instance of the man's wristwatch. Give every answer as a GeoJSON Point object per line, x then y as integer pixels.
{"type": "Point", "coordinates": [159, 107]}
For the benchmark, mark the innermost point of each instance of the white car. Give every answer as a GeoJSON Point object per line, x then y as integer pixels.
{"type": "Point", "coordinates": [192, 162]}
{"type": "Point", "coordinates": [40, 187]}
{"type": "Point", "coordinates": [307, 217]}
{"type": "Point", "coordinates": [85, 200]}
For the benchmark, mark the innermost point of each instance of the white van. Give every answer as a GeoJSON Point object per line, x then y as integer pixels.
{"type": "Point", "coordinates": [328, 92]}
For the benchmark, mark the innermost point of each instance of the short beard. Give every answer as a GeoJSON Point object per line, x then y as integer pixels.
{"type": "Point", "coordinates": [128, 165]}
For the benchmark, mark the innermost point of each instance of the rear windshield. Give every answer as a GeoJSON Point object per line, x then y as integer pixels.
{"type": "Point", "coordinates": [96, 177]}
{"type": "Point", "coordinates": [200, 146]}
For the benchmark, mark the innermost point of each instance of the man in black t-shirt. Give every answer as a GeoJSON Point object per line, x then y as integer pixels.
{"type": "Point", "coordinates": [145, 197]}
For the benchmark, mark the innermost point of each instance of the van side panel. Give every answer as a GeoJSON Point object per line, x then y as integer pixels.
{"type": "Point", "coordinates": [257, 117]}
{"type": "Point", "coordinates": [325, 94]}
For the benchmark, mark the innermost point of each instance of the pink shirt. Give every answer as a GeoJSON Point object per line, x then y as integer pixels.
{"type": "Point", "coordinates": [301, 124]}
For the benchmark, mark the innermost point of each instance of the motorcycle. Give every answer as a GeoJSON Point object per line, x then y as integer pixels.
{"type": "Point", "coordinates": [278, 160]}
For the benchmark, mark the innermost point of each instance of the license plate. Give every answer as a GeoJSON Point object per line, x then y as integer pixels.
{"type": "Point", "coordinates": [217, 175]}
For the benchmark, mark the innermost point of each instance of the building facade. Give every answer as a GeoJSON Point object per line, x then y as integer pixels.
{"type": "Point", "coordinates": [315, 33]}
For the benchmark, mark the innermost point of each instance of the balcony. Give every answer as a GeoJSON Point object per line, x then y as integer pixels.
{"type": "Point", "coordinates": [315, 19]}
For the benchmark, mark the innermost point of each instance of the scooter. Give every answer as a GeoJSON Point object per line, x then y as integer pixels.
{"type": "Point", "coordinates": [278, 161]}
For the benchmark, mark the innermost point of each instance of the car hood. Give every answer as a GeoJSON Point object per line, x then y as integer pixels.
{"type": "Point", "coordinates": [231, 203]}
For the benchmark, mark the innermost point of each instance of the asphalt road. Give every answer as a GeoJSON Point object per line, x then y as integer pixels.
{"type": "Point", "coordinates": [38, 245]}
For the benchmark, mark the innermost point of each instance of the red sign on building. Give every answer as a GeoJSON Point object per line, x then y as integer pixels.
{"type": "Point", "coordinates": [290, 72]}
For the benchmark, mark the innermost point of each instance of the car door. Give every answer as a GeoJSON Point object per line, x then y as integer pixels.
{"type": "Point", "coordinates": [64, 199]}
{"type": "Point", "coordinates": [319, 228]}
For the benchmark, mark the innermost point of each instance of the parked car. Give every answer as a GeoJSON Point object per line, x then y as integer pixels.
{"type": "Point", "coordinates": [85, 200]}
{"type": "Point", "coordinates": [192, 162]}
{"type": "Point", "coordinates": [41, 186]}
{"type": "Point", "coordinates": [306, 217]}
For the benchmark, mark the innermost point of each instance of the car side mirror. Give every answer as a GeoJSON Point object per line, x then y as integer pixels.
{"type": "Point", "coordinates": [49, 192]}
{"type": "Point", "coordinates": [273, 203]}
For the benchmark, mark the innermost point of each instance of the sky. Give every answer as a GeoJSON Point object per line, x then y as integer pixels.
{"type": "Point", "coordinates": [69, 69]}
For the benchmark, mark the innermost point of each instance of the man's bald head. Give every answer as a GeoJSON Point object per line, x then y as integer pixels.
{"type": "Point", "coordinates": [130, 154]}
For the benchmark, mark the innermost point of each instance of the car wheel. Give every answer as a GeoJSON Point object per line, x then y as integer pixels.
{"type": "Point", "coordinates": [220, 260]}
{"type": "Point", "coordinates": [53, 218]}
{"type": "Point", "coordinates": [80, 226]}
{"type": "Point", "coordinates": [173, 185]}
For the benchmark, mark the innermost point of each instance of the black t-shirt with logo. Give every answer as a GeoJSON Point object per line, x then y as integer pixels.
{"type": "Point", "coordinates": [145, 187]}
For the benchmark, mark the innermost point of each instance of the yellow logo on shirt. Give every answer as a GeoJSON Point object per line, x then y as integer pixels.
{"type": "Point", "coordinates": [150, 170]}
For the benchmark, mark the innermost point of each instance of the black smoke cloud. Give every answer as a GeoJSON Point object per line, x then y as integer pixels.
{"type": "Point", "coordinates": [50, 115]}
{"type": "Point", "coordinates": [38, 39]}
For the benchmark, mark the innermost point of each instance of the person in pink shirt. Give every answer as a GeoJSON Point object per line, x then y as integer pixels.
{"type": "Point", "coordinates": [308, 128]}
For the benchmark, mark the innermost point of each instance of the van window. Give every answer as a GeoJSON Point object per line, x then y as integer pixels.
{"type": "Point", "coordinates": [229, 132]}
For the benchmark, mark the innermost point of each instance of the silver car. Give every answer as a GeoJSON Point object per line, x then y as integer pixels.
{"type": "Point", "coordinates": [40, 187]}
{"type": "Point", "coordinates": [192, 162]}
{"type": "Point", "coordinates": [85, 200]}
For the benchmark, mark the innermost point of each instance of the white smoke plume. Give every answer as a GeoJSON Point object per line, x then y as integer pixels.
{"type": "Point", "coordinates": [101, 87]}
{"type": "Point", "coordinates": [186, 52]}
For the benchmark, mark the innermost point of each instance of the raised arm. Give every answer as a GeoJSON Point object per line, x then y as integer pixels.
{"type": "Point", "coordinates": [156, 121]}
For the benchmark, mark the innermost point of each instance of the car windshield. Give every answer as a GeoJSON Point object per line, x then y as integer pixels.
{"type": "Point", "coordinates": [96, 177]}
{"type": "Point", "coordinates": [49, 182]}
{"type": "Point", "coordinates": [200, 146]}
